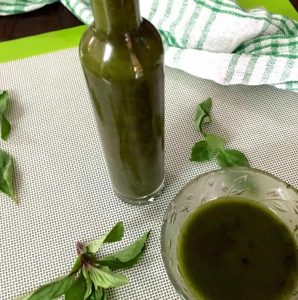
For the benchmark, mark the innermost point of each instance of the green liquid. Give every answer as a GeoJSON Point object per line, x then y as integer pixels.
{"type": "Point", "coordinates": [122, 59]}
{"type": "Point", "coordinates": [236, 249]}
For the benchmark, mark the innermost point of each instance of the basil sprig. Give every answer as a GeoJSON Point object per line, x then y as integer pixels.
{"type": "Point", "coordinates": [213, 145]}
{"type": "Point", "coordinates": [91, 275]}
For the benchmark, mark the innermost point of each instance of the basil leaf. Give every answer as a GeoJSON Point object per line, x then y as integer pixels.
{"type": "Point", "coordinates": [206, 149]}
{"type": "Point", "coordinates": [200, 152]}
{"type": "Point", "coordinates": [232, 158]}
{"type": "Point", "coordinates": [126, 257]}
{"type": "Point", "coordinates": [102, 277]}
{"type": "Point", "coordinates": [5, 125]}
{"type": "Point", "coordinates": [24, 297]}
{"type": "Point", "coordinates": [206, 105]}
{"type": "Point", "coordinates": [89, 284]}
{"type": "Point", "coordinates": [104, 294]}
{"type": "Point", "coordinates": [98, 294]}
{"type": "Point", "coordinates": [6, 172]}
{"type": "Point", "coordinates": [202, 115]}
{"type": "Point", "coordinates": [4, 100]}
{"type": "Point", "coordinates": [78, 289]}
{"type": "Point", "coordinates": [77, 265]}
{"type": "Point", "coordinates": [51, 290]}
{"type": "Point", "coordinates": [93, 296]}
{"type": "Point", "coordinates": [214, 143]}
{"type": "Point", "coordinates": [114, 235]}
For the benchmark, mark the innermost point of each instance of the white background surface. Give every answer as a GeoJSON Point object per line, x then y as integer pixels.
{"type": "Point", "coordinates": [61, 179]}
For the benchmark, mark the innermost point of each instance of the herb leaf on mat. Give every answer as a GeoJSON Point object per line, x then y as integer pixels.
{"type": "Point", "coordinates": [213, 145]}
{"type": "Point", "coordinates": [102, 277]}
{"type": "Point", "coordinates": [5, 127]}
{"type": "Point", "coordinates": [202, 115]}
{"type": "Point", "coordinates": [99, 294]}
{"type": "Point", "coordinates": [126, 257]}
{"type": "Point", "coordinates": [230, 158]}
{"type": "Point", "coordinates": [51, 290]}
{"type": "Point", "coordinates": [4, 123]}
{"type": "Point", "coordinates": [78, 289]}
{"type": "Point", "coordinates": [206, 149]}
{"type": "Point", "coordinates": [88, 283]}
{"type": "Point", "coordinates": [199, 152]}
{"type": "Point", "coordinates": [114, 235]}
{"type": "Point", "coordinates": [6, 174]}
{"type": "Point", "coordinates": [91, 276]}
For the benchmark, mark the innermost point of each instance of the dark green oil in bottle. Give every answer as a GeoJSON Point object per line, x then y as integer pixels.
{"type": "Point", "coordinates": [122, 59]}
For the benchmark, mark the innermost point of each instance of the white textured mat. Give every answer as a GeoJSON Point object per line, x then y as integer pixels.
{"type": "Point", "coordinates": [61, 179]}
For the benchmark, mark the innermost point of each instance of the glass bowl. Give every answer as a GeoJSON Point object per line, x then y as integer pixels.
{"type": "Point", "coordinates": [247, 183]}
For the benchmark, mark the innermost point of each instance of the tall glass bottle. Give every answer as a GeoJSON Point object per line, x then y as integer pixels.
{"type": "Point", "coordinates": [122, 58]}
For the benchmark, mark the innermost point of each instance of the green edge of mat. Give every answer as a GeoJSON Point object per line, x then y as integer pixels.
{"type": "Point", "coordinates": [283, 7]}
{"type": "Point", "coordinates": [40, 44]}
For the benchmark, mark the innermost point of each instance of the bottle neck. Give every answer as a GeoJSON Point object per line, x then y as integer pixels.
{"type": "Point", "coordinates": [116, 16]}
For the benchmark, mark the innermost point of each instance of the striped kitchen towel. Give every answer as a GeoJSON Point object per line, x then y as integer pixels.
{"type": "Point", "coordinates": [212, 39]}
